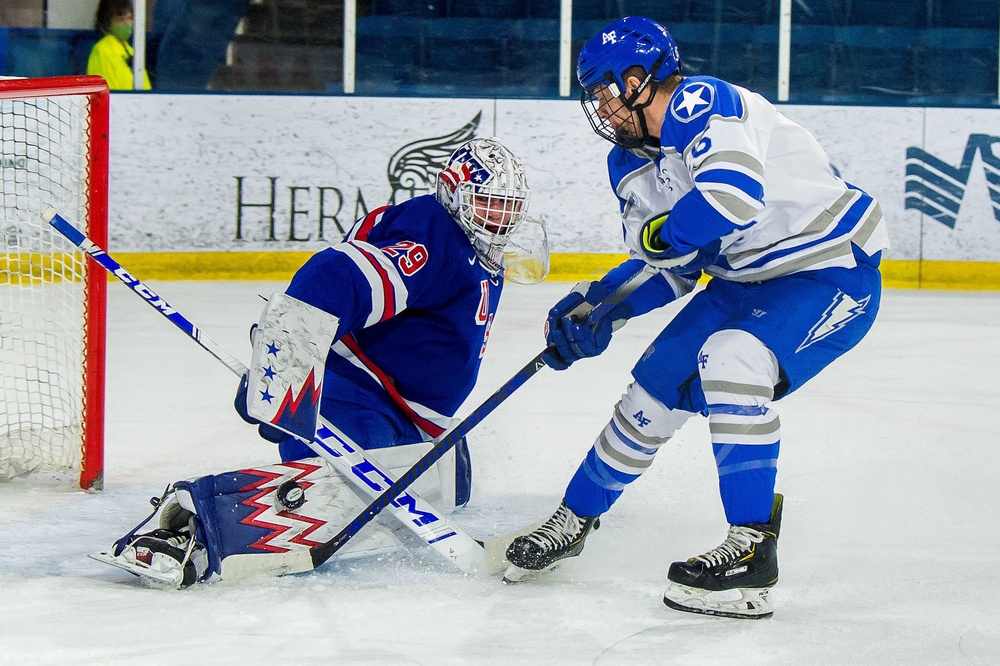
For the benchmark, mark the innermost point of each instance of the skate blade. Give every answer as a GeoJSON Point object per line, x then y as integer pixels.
{"type": "Point", "coordinates": [147, 574]}
{"type": "Point", "coordinates": [752, 604]}
{"type": "Point", "coordinates": [515, 574]}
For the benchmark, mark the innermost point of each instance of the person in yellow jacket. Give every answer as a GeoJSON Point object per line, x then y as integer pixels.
{"type": "Point", "coordinates": [111, 57]}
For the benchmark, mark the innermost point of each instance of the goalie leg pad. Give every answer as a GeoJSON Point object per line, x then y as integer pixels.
{"type": "Point", "coordinates": [447, 484]}
{"type": "Point", "coordinates": [254, 521]}
{"type": "Point", "coordinates": [265, 513]}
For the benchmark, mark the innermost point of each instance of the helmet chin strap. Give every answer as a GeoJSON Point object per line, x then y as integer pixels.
{"type": "Point", "coordinates": [637, 110]}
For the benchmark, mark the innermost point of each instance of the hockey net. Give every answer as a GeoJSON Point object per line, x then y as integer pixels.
{"type": "Point", "coordinates": [52, 303]}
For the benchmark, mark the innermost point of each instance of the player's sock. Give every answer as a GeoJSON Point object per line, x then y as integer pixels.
{"type": "Point", "coordinates": [559, 537]}
{"type": "Point", "coordinates": [733, 579]}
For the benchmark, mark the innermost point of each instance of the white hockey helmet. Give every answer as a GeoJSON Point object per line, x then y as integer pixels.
{"type": "Point", "coordinates": [484, 188]}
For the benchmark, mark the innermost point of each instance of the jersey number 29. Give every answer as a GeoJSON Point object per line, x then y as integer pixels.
{"type": "Point", "coordinates": [412, 256]}
{"type": "Point", "coordinates": [483, 315]}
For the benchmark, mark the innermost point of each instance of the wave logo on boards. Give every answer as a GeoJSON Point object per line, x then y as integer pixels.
{"type": "Point", "coordinates": [937, 188]}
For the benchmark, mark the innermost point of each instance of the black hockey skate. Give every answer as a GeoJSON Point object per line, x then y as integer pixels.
{"type": "Point", "coordinates": [162, 558]}
{"type": "Point", "coordinates": [734, 579]}
{"type": "Point", "coordinates": [559, 537]}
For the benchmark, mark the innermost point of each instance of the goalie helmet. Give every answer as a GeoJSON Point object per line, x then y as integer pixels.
{"type": "Point", "coordinates": [601, 67]}
{"type": "Point", "coordinates": [484, 188]}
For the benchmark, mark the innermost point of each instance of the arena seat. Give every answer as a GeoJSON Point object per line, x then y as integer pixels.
{"type": "Point", "coordinates": [875, 60]}
{"type": "Point", "coordinates": [410, 8]}
{"type": "Point", "coordinates": [958, 62]}
{"type": "Point", "coordinates": [819, 12]}
{"type": "Point", "coordinates": [983, 14]}
{"type": "Point", "coordinates": [895, 13]}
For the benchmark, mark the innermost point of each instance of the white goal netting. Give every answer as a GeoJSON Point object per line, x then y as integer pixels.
{"type": "Point", "coordinates": [46, 306]}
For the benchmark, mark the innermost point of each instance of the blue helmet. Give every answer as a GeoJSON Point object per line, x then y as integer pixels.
{"type": "Point", "coordinates": [633, 40]}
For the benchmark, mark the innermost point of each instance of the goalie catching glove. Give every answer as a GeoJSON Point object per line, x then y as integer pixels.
{"type": "Point", "coordinates": [660, 254]}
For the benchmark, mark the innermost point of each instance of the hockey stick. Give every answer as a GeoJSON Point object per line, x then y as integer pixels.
{"type": "Point", "coordinates": [410, 509]}
{"type": "Point", "coordinates": [435, 529]}
{"type": "Point", "coordinates": [322, 553]}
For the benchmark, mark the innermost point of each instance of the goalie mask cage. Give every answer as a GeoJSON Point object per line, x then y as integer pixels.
{"type": "Point", "coordinates": [52, 302]}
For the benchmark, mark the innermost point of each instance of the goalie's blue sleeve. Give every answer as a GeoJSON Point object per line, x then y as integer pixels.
{"type": "Point", "coordinates": [415, 308]}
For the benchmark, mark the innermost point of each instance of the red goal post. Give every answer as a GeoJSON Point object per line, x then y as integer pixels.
{"type": "Point", "coordinates": [53, 152]}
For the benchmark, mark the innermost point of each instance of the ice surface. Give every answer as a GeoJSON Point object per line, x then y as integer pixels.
{"type": "Point", "coordinates": [888, 549]}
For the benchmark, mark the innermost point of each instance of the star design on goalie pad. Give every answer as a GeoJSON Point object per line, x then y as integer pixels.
{"type": "Point", "coordinates": [264, 395]}
{"type": "Point", "coordinates": [273, 349]}
{"type": "Point", "coordinates": [269, 373]}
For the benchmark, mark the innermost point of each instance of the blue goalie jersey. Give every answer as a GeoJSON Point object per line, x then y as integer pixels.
{"type": "Point", "coordinates": [415, 308]}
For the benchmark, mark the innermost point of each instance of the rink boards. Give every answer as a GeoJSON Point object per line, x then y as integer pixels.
{"type": "Point", "coordinates": [211, 186]}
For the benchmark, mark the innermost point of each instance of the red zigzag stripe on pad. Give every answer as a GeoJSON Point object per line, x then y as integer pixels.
{"type": "Point", "coordinates": [254, 502]}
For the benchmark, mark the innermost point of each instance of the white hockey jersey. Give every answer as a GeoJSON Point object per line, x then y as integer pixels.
{"type": "Point", "coordinates": [764, 186]}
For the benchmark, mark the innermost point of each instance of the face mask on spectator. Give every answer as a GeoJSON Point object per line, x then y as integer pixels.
{"type": "Point", "coordinates": [122, 31]}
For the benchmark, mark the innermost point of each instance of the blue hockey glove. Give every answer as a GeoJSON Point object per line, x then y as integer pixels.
{"type": "Point", "coordinates": [660, 254]}
{"type": "Point", "coordinates": [269, 433]}
{"type": "Point", "coordinates": [570, 333]}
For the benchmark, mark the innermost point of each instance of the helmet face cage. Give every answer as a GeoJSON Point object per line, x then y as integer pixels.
{"type": "Point", "coordinates": [484, 188]}
{"type": "Point", "coordinates": [612, 117]}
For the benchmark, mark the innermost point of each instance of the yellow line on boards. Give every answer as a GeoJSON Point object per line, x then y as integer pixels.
{"type": "Point", "coordinates": [279, 266]}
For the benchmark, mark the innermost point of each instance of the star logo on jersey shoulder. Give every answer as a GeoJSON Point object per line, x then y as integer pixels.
{"type": "Point", "coordinates": [692, 101]}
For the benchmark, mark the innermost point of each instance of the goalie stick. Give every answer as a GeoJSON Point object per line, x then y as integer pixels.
{"type": "Point", "coordinates": [348, 458]}
{"type": "Point", "coordinates": [323, 552]}
{"type": "Point", "coordinates": [490, 553]}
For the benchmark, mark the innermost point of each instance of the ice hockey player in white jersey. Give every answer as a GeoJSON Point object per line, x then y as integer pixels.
{"type": "Point", "coordinates": [414, 288]}
{"type": "Point", "coordinates": [711, 178]}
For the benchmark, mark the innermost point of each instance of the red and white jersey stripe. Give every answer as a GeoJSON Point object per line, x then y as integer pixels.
{"type": "Point", "coordinates": [426, 419]}
{"type": "Point", "coordinates": [389, 293]}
